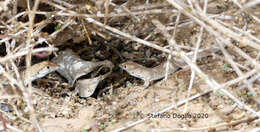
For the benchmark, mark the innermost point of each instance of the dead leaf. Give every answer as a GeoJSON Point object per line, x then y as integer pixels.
{"type": "Point", "coordinates": [72, 66]}
{"type": "Point", "coordinates": [86, 87]}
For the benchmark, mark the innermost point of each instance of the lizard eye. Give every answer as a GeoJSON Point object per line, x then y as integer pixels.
{"type": "Point", "coordinates": [48, 67]}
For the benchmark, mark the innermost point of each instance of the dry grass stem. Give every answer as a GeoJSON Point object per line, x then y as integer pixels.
{"type": "Point", "coordinates": [142, 31]}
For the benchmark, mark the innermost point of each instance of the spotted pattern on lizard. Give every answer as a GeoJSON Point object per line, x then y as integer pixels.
{"type": "Point", "coordinates": [38, 70]}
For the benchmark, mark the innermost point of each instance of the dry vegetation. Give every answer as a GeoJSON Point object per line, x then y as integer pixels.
{"type": "Point", "coordinates": [223, 89]}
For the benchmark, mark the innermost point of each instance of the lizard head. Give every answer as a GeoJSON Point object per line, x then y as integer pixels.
{"type": "Point", "coordinates": [128, 66]}
{"type": "Point", "coordinates": [47, 67]}
{"type": "Point", "coordinates": [40, 70]}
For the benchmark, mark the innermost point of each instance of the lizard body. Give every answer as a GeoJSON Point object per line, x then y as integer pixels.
{"type": "Point", "coordinates": [38, 70]}
{"type": "Point", "coordinates": [158, 72]}
{"type": "Point", "coordinates": [147, 74]}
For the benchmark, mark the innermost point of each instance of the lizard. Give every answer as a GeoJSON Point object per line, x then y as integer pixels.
{"type": "Point", "coordinates": [156, 73]}
{"type": "Point", "coordinates": [37, 71]}
{"type": "Point", "coordinates": [148, 74]}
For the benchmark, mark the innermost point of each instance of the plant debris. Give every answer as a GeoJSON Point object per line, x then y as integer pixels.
{"type": "Point", "coordinates": [86, 87]}
{"type": "Point", "coordinates": [101, 34]}
{"type": "Point", "coordinates": [72, 66]}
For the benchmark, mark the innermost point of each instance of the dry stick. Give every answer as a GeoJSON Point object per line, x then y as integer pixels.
{"type": "Point", "coordinates": [150, 12]}
{"type": "Point", "coordinates": [226, 42]}
{"type": "Point", "coordinates": [9, 96]}
{"type": "Point", "coordinates": [215, 33]}
{"type": "Point", "coordinates": [242, 32]}
{"type": "Point", "coordinates": [68, 5]}
{"type": "Point", "coordinates": [147, 2]}
{"type": "Point", "coordinates": [7, 45]}
{"type": "Point", "coordinates": [15, 117]}
{"type": "Point", "coordinates": [189, 21]}
{"type": "Point", "coordinates": [16, 16]}
{"type": "Point", "coordinates": [11, 128]}
{"type": "Point", "coordinates": [192, 71]}
{"type": "Point", "coordinates": [150, 6]}
{"type": "Point", "coordinates": [169, 38]}
{"type": "Point", "coordinates": [18, 115]}
{"type": "Point", "coordinates": [20, 32]}
{"type": "Point", "coordinates": [7, 26]}
{"type": "Point", "coordinates": [19, 83]}
{"type": "Point", "coordinates": [22, 53]}
{"type": "Point", "coordinates": [212, 83]}
{"type": "Point", "coordinates": [190, 4]}
{"type": "Point", "coordinates": [8, 38]}
{"type": "Point", "coordinates": [54, 34]}
{"type": "Point", "coordinates": [172, 43]}
{"type": "Point", "coordinates": [57, 6]}
{"type": "Point", "coordinates": [231, 34]}
{"type": "Point", "coordinates": [40, 24]}
{"type": "Point", "coordinates": [242, 8]}
{"type": "Point", "coordinates": [248, 74]}
{"type": "Point", "coordinates": [155, 11]}
{"type": "Point", "coordinates": [249, 81]}
{"type": "Point", "coordinates": [235, 67]}
{"type": "Point", "coordinates": [73, 13]}
{"type": "Point", "coordinates": [158, 47]}
{"type": "Point", "coordinates": [130, 13]}
{"type": "Point", "coordinates": [229, 59]}
{"type": "Point", "coordinates": [131, 37]}
{"type": "Point", "coordinates": [86, 31]}
{"type": "Point", "coordinates": [256, 18]}
{"type": "Point", "coordinates": [198, 17]}
{"type": "Point", "coordinates": [67, 23]}
{"type": "Point", "coordinates": [195, 56]}
{"type": "Point", "coordinates": [251, 3]}
{"type": "Point", "coordinates": [14, 81]}
{"type": "Point", "coordinates": [15, 8]}
{"type": "Point", "coordinates": [27, 92]}
{"type": "Point", "coordinates": [106, 11]}
{"type": "Point", "coordinates": [238, 64]}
